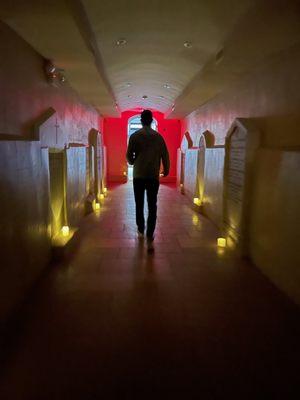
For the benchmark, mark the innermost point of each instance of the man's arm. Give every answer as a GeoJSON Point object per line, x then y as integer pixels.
{"type": "Point", "coordinates": [165, 158]}
{"type": "Point", "coordinates": [130, 151]}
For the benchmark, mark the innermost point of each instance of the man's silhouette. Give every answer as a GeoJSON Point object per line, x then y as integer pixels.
{"type": "Point", "coordinates": [146, 150]}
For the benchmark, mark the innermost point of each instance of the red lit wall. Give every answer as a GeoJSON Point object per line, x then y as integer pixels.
{"type": "Point", "coordinates": [115, 139]}
{"type": "Point", "coordinates": [26, 95]}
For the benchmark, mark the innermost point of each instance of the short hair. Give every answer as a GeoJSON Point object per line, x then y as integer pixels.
{"type": "Point", "coordinates": [146, 117]}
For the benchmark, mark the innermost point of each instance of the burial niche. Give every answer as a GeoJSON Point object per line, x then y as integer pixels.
{"type": "Point", "coordinates": [242, 142]}
{"type": "Point", "coordinates": [57, 191]}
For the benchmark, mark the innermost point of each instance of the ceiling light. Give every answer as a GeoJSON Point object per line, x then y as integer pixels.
{"type": "Point", "coordinates": [167, 86]}
{"type": "Point", "coordinates": [188, 45]}
{"type": "Point", "coordinates": [121, 42]}
{"type": "Point", "coordinates": [161, 97]}
{"type": "Point", "coordinates": [128, 84]}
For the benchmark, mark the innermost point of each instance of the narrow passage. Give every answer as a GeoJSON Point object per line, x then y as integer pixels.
{"type": "Point", "coordinates": [186, 322]}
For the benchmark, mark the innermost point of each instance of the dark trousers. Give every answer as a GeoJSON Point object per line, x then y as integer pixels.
{"type": "Point", "coordinates": [150, 185]}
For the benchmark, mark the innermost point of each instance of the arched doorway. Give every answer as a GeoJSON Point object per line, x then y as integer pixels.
{"type": "Point", "coordinates": [134, 124]}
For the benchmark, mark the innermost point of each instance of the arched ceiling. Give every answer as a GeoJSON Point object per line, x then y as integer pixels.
{"type": "Point", "coordinates": [226, 37]}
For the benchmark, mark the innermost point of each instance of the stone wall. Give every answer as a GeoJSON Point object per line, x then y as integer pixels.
{"type": "Point", "coordinates": [270, 94]}
{"type": "Point", "coordinates": [275, 218]}
{"type": "Point", "coordinates": [25, 219]}
{"type": "Point", "coordinates": [38, 122]}
{"type": "Point", "coordinates": [26, 93]}
{"type": "Point", "coordinates": [213, 184]}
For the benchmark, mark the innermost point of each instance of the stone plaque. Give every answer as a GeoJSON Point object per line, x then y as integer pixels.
{"type": "Point", "coordinates": [241, 144]}
{"type": "Point", "coordinates": [200, 169]}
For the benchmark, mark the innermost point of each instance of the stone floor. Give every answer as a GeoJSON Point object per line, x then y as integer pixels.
{"type": "Point", "coordinates": [185, 322]}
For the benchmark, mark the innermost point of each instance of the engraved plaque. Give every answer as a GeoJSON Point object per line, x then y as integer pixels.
{"type": "Point", "coordinates": [241, 144]}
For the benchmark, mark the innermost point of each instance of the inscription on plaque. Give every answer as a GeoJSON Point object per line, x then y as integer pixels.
{"type": "Point", "coordinates": [242, 142]}
{"type": "Point", "coordinates": [235, 181]}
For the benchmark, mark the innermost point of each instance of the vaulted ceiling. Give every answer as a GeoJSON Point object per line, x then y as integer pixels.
{"type": "Point", "coordinates": [171, 57]}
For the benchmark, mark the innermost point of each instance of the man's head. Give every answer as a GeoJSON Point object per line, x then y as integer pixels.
{"type": "Point", "coordinates": [146, 118]}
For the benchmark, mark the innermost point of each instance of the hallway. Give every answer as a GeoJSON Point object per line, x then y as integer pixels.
{"type": "Point", "coordinates": [185, 322]}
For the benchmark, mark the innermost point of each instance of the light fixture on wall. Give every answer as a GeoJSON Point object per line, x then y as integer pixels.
{"type": "Point", "coordinates": [54, 75]}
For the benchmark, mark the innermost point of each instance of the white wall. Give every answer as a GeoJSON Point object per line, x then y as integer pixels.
{"type": "Point", "coordinates": [213, 186]}
{"type": "Point", "coordinates": [275, 219]}
{"type": "Point", "coordinates": [25, 219]}
{"type": "Point", "coordinates": [191, 173]}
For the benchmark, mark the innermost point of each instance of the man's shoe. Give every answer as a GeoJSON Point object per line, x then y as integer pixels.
{"type": "Point", "coordinates": [150, 245]}
{"type": "Point", "coordinates": [140, 235]}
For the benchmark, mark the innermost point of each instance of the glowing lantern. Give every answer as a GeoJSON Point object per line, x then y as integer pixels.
{"type": "Point", "coordinates": [197, 201]}
{"type": "Point", "coordinates": [181, 185]}
{"type": "Point", "coordinates": [65, 230]}
{"type": "Point", "coordinates": [101, 196]}
{"type": "Point", "coordinates": [221, 242]}
{"type": "Point", "coordinates": [97, 206]}
{"type": "Point", "coordinates": [105, 190]}
{"type": "Point", "coordinates": [125, 173]}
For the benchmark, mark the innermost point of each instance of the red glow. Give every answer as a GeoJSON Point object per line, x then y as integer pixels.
{"type": "Point", "coordinates": [115, 139]}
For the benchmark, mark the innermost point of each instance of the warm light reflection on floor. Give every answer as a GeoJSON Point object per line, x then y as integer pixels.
{"type": "Point", "coordinates": [220, 251]}
{"type": "Point", "coordinates": [195, 220]}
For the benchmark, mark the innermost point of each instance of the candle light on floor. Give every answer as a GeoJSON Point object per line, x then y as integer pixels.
{"type": "Point", "coordinates": [65, 230]}
{"type": "Point", "coordinates": [221, 242]}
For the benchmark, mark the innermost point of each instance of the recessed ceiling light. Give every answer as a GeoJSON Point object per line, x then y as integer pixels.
{"type": "Point", "coordinates": [188, 45]}
{"type": "Point", "coordinates": [167, 86]}
{"type": "Point", "coordinates": [161, 97]}
{"type": "Point", "coordinates": [128, 84]}
{"type": "Point", "coordinates": [121, 42]}
{"type": "Point", "coordinates": [144, 97]}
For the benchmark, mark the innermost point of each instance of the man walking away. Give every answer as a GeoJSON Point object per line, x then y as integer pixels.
{"type": "Point", "coordinates": [146, 150]}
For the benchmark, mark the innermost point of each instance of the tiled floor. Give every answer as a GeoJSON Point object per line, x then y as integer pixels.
{"type": "Point", "coordinates": [186, 322]}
